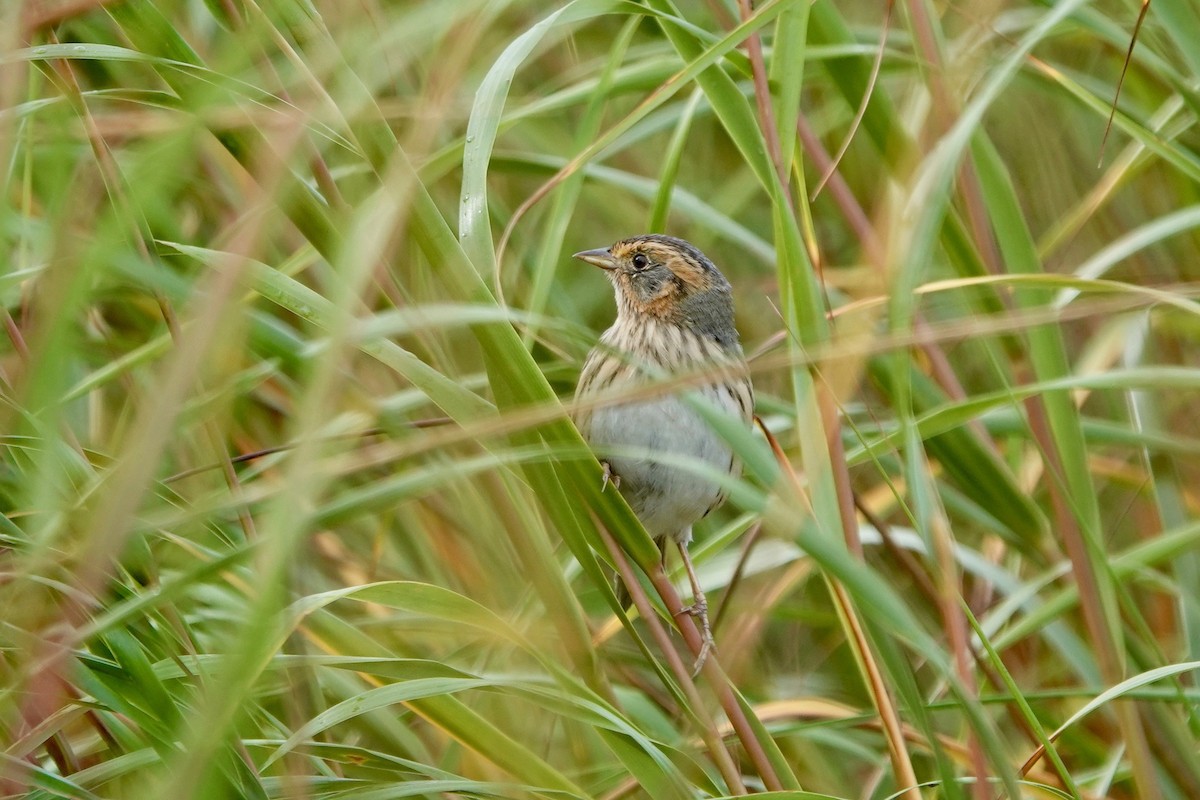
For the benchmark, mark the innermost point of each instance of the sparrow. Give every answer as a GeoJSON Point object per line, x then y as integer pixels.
{"type": "Point", "coordinates": [674, 317]}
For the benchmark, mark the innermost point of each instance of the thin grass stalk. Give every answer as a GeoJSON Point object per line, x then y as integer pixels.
{"type": "Point", "coordinates": [1054, 423]}
{"type": "Point", "coordinates": [855, 215]}
{"type": "Point", "coordinates": [889, 718]}
{"type": "Point", "coordinates": [1044, 743]}
{"type": "Point", "coordinates": [87, 351]}
{"type": "Point", "coordinates": [831, 416]}
{"type": "Point", "coordinates": [721, 685]}
{"type": "Point", "coordinates": [873, 677]}
{"type": "Point", "coordinates": [670, 168]}
{"type": "Point", "coordinates": [950, 593]}
{"type": "Point", "coordinates": [565, 200]}
{"type": "Point", "coordinates": [871, 247]}
{"type": "Point", "coordinates": [693, 70]}
{"type": "Point", "coordinates": [945, 110]}
{"type": "Point", "coordinates": [1090, 599]}
{"type": "Point", "coordinates": [287, 522]}
{"type": "Point", "coordinates": [683, 676]}
{"type": "Point", "coordinates": [762, 99]}
{"type": "Point", "coordinates": [138, 233]}
{"type": "Point", "coordinates": [831, 163]}
{"type": "Point", "coordinates": [535, 551]}
{"type": "Point", "coordinates": [1166, 483]}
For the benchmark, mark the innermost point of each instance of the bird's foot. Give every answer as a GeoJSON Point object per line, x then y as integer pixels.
{"type": "Point", "coordinates": [609, 477]}
{"type": "Point", "coordinates": [699, 610]}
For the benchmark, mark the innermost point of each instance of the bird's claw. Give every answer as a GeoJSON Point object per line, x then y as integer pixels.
{"type": "Point", "coordinates": [699, 610]}
{"type": "Point", "coordinates": [609, 477]}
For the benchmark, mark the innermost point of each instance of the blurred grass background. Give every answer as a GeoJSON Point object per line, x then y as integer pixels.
{"type": "Point", "coordinates": [335, 236]}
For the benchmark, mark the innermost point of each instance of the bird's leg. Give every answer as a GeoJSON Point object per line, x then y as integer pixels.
{"type": "Point", "coordinates": [698, 609]}
{"type": "Point", "coordinates": [609, 477]}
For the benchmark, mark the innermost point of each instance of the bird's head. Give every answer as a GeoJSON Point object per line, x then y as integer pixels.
{"type": "Point", "coordinates": [670, 280]}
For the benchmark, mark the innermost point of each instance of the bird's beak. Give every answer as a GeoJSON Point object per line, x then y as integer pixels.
{"type": "Point", "coordinates": [599, 257]}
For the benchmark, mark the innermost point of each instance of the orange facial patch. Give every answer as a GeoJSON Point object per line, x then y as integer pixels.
{"type": "Point", "coordinates": [664, 304]}
{"type": "Point", "coordinates": [688, 271]}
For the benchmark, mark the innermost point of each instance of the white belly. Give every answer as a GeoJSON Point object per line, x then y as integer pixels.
{"type": "Point", "coordinates": [667, 497]}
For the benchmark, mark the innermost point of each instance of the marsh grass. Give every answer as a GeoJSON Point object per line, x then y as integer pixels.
{"type": "Point", "coordinates": [292, 504]}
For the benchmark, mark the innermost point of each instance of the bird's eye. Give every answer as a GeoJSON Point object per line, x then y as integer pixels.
{"type": "Point", "coordinates": [640, 261]}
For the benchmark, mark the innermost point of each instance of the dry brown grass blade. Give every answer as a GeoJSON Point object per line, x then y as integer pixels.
{"type": "Point", "coordinates": [719, 681]}
{"type": "Point", "coordinates": [762, 101]}
{"type": "Point", "coordinates": [861, 112]}
{"type": "Point", "coordinates": [683, 674]}
{"type": "Point", "coordinates": [1121, 81]}
{"type": "Point", "coordinates": [889, 718]}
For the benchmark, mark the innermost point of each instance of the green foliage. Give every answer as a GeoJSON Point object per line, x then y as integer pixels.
{"type": "Point", "coordinates": [293, 506]}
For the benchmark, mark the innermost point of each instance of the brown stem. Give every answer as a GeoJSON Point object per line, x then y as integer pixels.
{"type": "Point", "coordinates": [1090, 599]}
{"type": "Point", "coordinates": [708, 732]}
{"type": "Point", "coordinates": [889, 717]}
{"type": "Point", "coordinates": [718, 679]}
{"type": "Point", "coordinates": [762, 100]}
{"type": "Point", "coordinates": [749, 540]}
{"type": "Point", "coordinates": [831, 417]}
